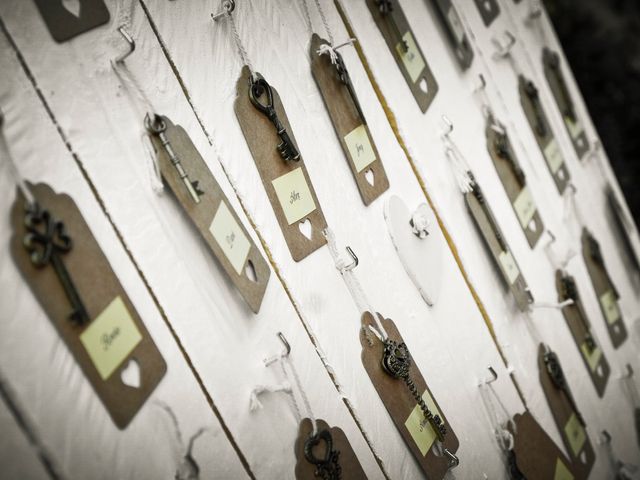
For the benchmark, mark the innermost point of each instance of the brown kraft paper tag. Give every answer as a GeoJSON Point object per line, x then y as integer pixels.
{"type": "Point", "coordinates": [64, 24]}
{"type": "Point", "coordinates": [500, 251]}
{"type": "Point", "coordinates": [605, 290]}
{"type": "Point", "coordinates": [574, 435]}
{"type": "Point", "coordinates": [549, 146]}
{"type": "Point", "coordinates": [213, 216]}
{"type": "Point", "coordinates": [403, 45]}
{"type": "Point", "coordinates": [113, 341]}
{"type": "Point", "coordinates": [407, 416]}
{"type": "Point", "coordinates": [349, 464]}
{"type": "Point", "coordinates": [287, 183]}
{"type": "Point", "coordinates": [536, 454]}
{"type": "Point", "coordinates": [558, 86]}
{"type": "Point", "coordinates": [514, 182]}
{"type": "Point", "coordinates": [455, 32]}
{"type": "Point", "coordinates": [593, 357]}
{"type": "Point", "coordinates": [351, 128]}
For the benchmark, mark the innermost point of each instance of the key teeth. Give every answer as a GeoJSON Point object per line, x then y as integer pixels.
{"type": "Point", "coordinates": [195, 184]}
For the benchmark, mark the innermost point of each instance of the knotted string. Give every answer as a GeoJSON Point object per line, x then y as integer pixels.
{"type": "Point", "coordinates": [458, 164]}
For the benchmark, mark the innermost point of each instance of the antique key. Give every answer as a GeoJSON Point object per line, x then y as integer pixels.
{"type": "Point", "coordinates": [158, 127]}
{"type": "Point", "coordinates": [566, 105]}
{"type": "Point", "coordinates": [328, 466]}
{"type": "Point", "coordinates": [396, 361]}
{"type": "Point", "coordinates": [596, 255]}
{"type": "Point", "coordinates": [477, 192]}
{"type": "Point", "coordinates": [501, 147]}
{"type": "Point", "coordinates": [554, 369]}
{"type": "Point", "coordinates": [345, 78]}
{"type": "Point", "coordinates": [46, 241]}
{"type": "Point", "coordinates": [570, 291]}
{"type": "Point", "coordinates": [386, 10]}
{"type": "Point", "coordinates": [259, 87]}
{"type": "Point", "coordinates": [532, 92]}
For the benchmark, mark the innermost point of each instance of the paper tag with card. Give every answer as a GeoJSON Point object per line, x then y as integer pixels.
{"type": "Point", "coordinates": [336, 88]}
{"type": "Point", "coordinates": [411, 405]}
{"type": "Point", "coordinates": [394, 27]}
{"type": "Point", "coordinates": [280, 164]}
{"type": "Point", "coordinates": [200, 196]}
{"type": "Point", "coordinates": [455, 32]}
{"type": "Point", "coordinates": [70, 276]}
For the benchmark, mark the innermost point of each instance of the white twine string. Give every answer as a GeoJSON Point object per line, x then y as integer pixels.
{"type": "Point", "coordinates": [325, 49]}
{"type": "Point", "coordinates": [357, 293]}
{"type": "Point", "coordinates": [4, 151]}
{"type": "Point", "coordinates": [286, 387]}
{"type": "Point", "coordinates": [459, 165]}
{"type": "Point", "coordinates": [495, 408]}
{"type": "Point", "coordinates": [244, 56]}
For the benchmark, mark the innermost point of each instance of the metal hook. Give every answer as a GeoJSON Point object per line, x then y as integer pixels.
{"type": "Point", "coordinates": [448, 126]}
{"type": "Point", "coordinates": [502, 50]}
{"type": "Point", "coordinates": [453, 460]}
{"type": "Point", "coordinates": [130, 41]}
{"type": "Point", "coordinates": [228, 6]}
{"type": "Point", "coordinates": [353, 264]}
{"type": "Point", "coordinates": [483, 84]}
{"type": "Point", "coordinates": [604, 438]}
{"type": "Point", "coordinates": [535, 12]}
{"type": "Point", "coordinates": [628, 373]}
{"type": "Point", "coordinates": [287, 347]}
{"type": "Point", "coordinates": [494, 377]}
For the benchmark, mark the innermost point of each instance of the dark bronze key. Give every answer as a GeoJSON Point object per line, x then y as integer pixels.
{"type": "Point", "coordinates": [158, 127]}
{"type": "Point", "coordinates": [570, 292]}
{"type": "Point", "coordinates": [532, 92]}
{"type": "Point", "coordinates": [386, 10]}
{"type": "Point", "coordinates": [46, 241]}
{"type": "Point", "coordinates": [503, 150]}
{"type": "Point", "coordinates": [259, 88]}
{"type": "Point", "coordinates": [396, 361]}
{"type": "Point", "coordinates": [554, 369]}
{"type": "Point", "coordinates": [327, 466]}
{"type": "Point", "coordinates": [477, 192]}
{"type": "Point", "coordinates": [565, 103]}
{"type": "Point", "coordinates": [345, 78]}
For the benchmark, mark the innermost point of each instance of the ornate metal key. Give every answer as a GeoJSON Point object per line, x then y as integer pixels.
{"type": "Point", "coordinates": [554, 369]}
{"type": "Point", "coordinates": [570, 291]}
{"type": "Point", "coordinates": [386, 10]}
{"type": "Point", "coordinates": [564, 100]}
{"type": "Point", "coordinates": [327, 467]}
{"type": "Point", "coordinates": [477, 192]}
{"type": "Point", "coordinates": [158, 127]}
{"type": "Point", "coordinates": [396, 361]}
{"type": "Point", "coordinates": [532, 93]}
{"type": "Point", "coordinates": [345, 78]}
{"type": "Point", "coordinates": [502, 149]}
{"type": "Point", "coordinates": [46, 241]}
{"type": "Point", "coordinates": [257, 89]}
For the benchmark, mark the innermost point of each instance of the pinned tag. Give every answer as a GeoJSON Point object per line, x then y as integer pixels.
{"type": "Point", "coordinates": [68, 273]}
{"type": "Point", "coordinates": [286, 181]}
{"type": "Point", "coordinates": [348, 121]}
{"type": "Point", "coordinates": [605, 289]}
{"type": "Point", "coordinates": [497, 244]}
{"type": "Point", "coordinates": [536, 455]}
{"type": "Point", "coordinates": [455, 32]}
{"type": "Point", "coordinates": [433, 456]}
{"type": "Point", "coordinates": [395, 29]}
{"type": "Point", "coordinates": [558, 86]}
{"type": "Point", "coordinates": [211, 214]}
{"type": "Point", "coordinates": [420, 253]}
{"type": "Point", "coordinates": [333, 450]}
{"type": "Point", "coordinates": [580, 327]}
{"type": "Point", "coordinates": [541, 128]}
{"type": "Point", "coordinates": [514, 181]}
{"type": "Point", "coordinates": [66, 19]}
{"type": "Point", "coordinates": [567, 419]}
{"type": "Point", "coordinates": [489, 10]}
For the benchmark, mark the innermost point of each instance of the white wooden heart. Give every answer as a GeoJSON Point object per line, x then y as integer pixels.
{"type": "Point", "coordinates": [420, 257]}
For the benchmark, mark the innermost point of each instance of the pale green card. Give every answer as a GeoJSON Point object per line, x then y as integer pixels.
{"type": "Point", "coordinates": [294, 195]}
{"type": "Point", "coordinates": [508, 264]}
{"type": "Point", "coordinates": [110, 338]}
{"type": "Point", "coordinates": [525, 207]}
{"type": "Point", "coordinates": [562, 472]}
{"type": "Point", "coordinates": [360, 148]}
{"type": "Point", "coordinates": [420, 429]}
{"type": "Point", "coordinates": [412, 60]}
{"type": "Point", "coordinates": [609, 304]}
{"type": "Point", "coordinates": [230, 237]}
{"type": "Point", "coordinates": [575, 434]}
{"type": "Point", "coordinates": [553, 155]}
{"type": "Point", "coordinates": [592, 357]}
